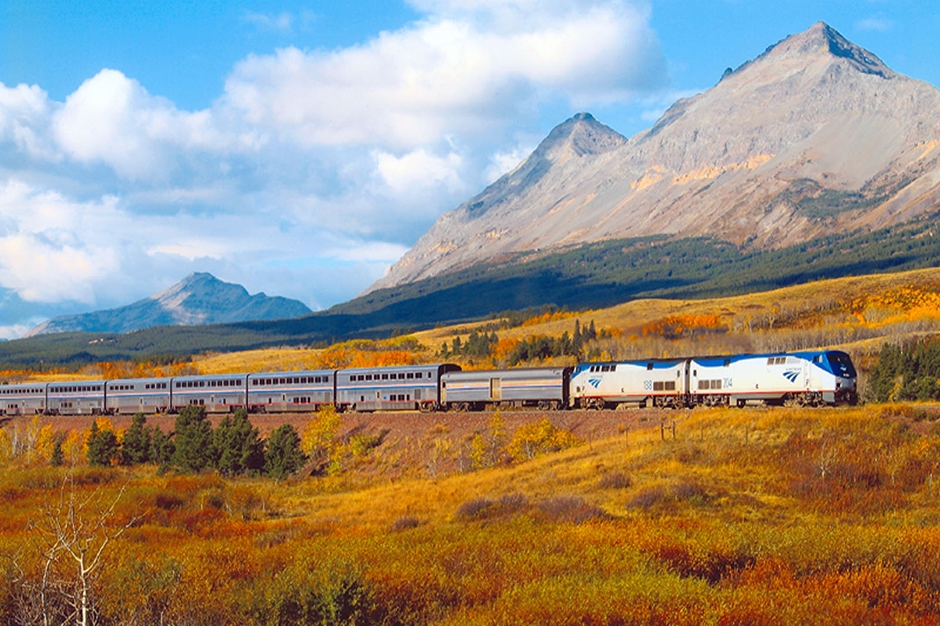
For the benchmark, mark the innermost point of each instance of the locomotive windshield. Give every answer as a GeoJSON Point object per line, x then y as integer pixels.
{"type": "Point", "coordinates": [841, 364]}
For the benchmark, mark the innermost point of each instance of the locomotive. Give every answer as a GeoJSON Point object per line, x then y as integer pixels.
{"type": "Point", "coordinates": [813, 378]}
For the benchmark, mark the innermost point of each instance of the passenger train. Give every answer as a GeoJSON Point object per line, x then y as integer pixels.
{"type": "Point", "coordinates": [815, 378]}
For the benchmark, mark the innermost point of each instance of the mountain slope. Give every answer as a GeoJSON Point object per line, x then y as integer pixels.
{"type": "Point", "coordinates": [198, 299]}
{"type": "Point", "coordinates": [814, 136]}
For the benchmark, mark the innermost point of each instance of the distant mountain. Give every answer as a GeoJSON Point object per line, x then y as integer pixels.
{"type": "Point", "coordinates": [814, 137]}
{"type": "Point", "coordinates": [198, 299]}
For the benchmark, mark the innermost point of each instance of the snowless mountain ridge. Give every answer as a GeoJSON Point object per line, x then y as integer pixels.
{"type": "Point", "coordinates": [816, 135]}
{"type": "Point", "coordinates": [198, 299]}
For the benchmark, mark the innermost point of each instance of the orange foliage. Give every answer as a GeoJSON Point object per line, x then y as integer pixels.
{"type": "Point", "coordinates": [504, 348]}
{"type": "Point", "coordinates": [675, 326]}
{"type": "Point", "coordinates": [904, 304]}
{"type": "Point", "coordinates": [548, 317]}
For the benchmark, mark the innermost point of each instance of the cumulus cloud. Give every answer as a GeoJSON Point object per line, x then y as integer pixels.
{"type": "Point", "coordinates": [314, 169]}
{"type": "Point", "coordinates": [450, 73]}
{"type": "Point", "coordinates": [112, 119]}
{"type": "Point", "coordinates": [418, 170]}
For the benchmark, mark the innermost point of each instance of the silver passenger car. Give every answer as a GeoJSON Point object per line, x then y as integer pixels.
{"type": "Point", "coordinates": [144, 395]}
{"type": "Point", "coordinates": [23, 399]}
{"type": "Point", "coordinates": [391, 388]}
{"type": "Point", "coordinates": [219, 393]}
{"type": "Point", "coordinates": [542, 387]}
{"type": "Point", "coordinates": [277, 392]}
{"type": "Point", "coordinates": [75, 398]}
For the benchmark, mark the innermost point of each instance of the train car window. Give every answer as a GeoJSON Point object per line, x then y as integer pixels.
{"type": "Point", "coordinates": [649, 366]}
{"type": "Point", "coordinates": [817, 358]}
{"type": "Point", "coordinates": [727, 362]}
{"type": "Point", "coordinates": [409, 376]}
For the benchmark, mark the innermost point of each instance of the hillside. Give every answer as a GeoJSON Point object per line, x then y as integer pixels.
{"type": "Point", "coordinates": [198, 299]}
{"type": "Point", "coordinates": [735, 516]}
{"type": "Point", "coordinates": [814, 138]}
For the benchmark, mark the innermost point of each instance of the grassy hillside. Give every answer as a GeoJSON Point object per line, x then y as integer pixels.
{"type": "Point", "coordinates": [593, 276]}
{"type": "Point", "coordinates": [744, 517]}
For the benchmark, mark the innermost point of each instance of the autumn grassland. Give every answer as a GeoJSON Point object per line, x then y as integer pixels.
{"type": "Point", "coordinates": [704, 516]}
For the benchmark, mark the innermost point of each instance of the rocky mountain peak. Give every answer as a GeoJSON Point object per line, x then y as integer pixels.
{"type": "Point", "coordinates": [824, 44]}
{"type": "Point", "coordinates": [579, 135]}
{"type": "Point", "coordinates": [814, 136]}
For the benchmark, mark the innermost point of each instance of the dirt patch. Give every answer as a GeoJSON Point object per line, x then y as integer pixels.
{"type": "Point", "coordinates": [587, 425]}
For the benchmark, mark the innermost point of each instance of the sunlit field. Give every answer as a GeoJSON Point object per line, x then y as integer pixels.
{"type": "Point", "coordinates": [825, 516]}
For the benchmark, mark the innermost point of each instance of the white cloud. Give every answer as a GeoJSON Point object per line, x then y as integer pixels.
{"type": "Point", "coordinates": [282, 22]}
{"type": "Point", "coordinates": [112, 119]}
{"type": "Point", "coordinates": [24, 115]}
{"type": "Point", "coordinates": [879, 24]}
{"type": "Point", "coordinates": [419, 170]}
{"type": "Point", "coordinates": [503, 162]}
{"type": "Point", "coordinates": [450, 74]}
{"type": "Point", "coordinates": [314, 169]}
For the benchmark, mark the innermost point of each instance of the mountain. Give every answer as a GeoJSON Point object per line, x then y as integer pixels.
{"type": "Point", "coordinates": [815, 136]}
{"type": "Point", "coordinates": [198, 299]}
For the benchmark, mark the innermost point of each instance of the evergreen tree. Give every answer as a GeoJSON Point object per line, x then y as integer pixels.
{"type": "Point", "coordinates": [161, 448]}
{"type": "Point", "coordinates": [58, 455]}
{"type": "Point", "coordinates": [237, 446]}
{"type": "Point", "coordinates": [102, 446]}
{"type": "Point", "coordinates": [283, 456]}
{"type": "Point", "coordinates": [193, 440]}
{"type": "Point", "coordinates": [137, 440]}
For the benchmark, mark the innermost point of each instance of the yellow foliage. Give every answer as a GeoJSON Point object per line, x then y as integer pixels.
{"type": "Point", "coordinates": [74, 447]}
{"type": "Point", "coordinates": [535, 438]}
{"type": "Point", "coordinates": [318, 440]}
{"type": "Point", "coordinates": [6, 446]}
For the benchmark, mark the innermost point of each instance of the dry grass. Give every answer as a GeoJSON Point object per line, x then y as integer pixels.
{"type": "Point", "coordinates": [755, 516]}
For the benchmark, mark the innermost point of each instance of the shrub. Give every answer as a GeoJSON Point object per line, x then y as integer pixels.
{"type": "Point", "coordinates": [614, 480]}
{"type": "Point", "coordinates": [405, 523]}
{"type": "Point", "coordinates": [533, 439]}
{"type": "Point", "coordinates": [570, 509]}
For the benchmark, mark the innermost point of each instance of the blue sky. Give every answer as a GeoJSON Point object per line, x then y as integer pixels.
{"type": "Point", "coordinates": [300, 148]}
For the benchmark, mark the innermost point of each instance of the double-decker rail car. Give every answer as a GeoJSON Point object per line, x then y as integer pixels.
{"type": "Point", "coordinates": [654, 382]}
{"type": "Point", "coordinates": [219, 393]}
{"type": "Point", "coordinates": [542, 387]}
{"type": "Point", "coordinates": [277, 392]}
{"type": "Point", "coordinates": [23, 399]}
{"type": "Point", "coordinates": [77, 398]}
{"type": "Point", "coordinates": [808, 378]}
{"type": "Point", "coordinates": [144, 395]}
{"type": "Point", "coordinates": [405, 387]}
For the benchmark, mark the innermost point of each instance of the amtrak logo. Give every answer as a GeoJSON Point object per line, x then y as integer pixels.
{"type": "Point", "coordinates": [594, 382]}
{"type": "Point", "coordinates": [792, 376]}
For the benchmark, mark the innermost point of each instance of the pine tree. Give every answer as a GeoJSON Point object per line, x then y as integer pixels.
{"type": "Point", "coordinates": [136, 446]}
{"type": "Point", "coordinates": [193, 440]}
{"type": "Point", "coordinates": [161, 448]}
{"type": "Point", "coordinates": [237, 445]}
{"type": "Point", "coordinates": [58, 455]}
{"type": "Point", "coordinates": [283, 456]}
{"type": "Point", "coordinates": [102, 446]}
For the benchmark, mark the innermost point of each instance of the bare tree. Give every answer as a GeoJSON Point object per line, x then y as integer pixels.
{"type": "Point", "coordinates": [70, 539]}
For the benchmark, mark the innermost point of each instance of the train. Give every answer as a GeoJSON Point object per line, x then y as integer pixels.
{"type": "Point", "coordinates": [811, 378]}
